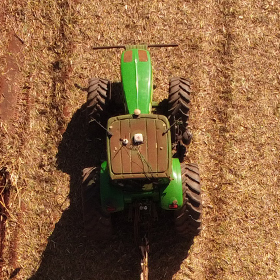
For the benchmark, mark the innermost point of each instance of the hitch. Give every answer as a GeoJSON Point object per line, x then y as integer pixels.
{"type": "Point", "coordinates": [144, 261]}
{"type": "Point", "coordinates": [144, 214]}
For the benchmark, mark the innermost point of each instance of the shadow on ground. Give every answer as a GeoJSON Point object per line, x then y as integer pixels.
{"type": "Point", "coordinates": [69, 255]}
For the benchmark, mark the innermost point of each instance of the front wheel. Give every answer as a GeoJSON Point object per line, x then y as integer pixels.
{"type": "Point", "coordinates": [178, 114]}
{"type": "Point", "coordinates": [99, 95]}
{"type": "Point", "coordinates": [188, 218]}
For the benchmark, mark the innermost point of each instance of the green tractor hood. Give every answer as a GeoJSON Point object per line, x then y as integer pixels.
{"type": "Point", "coordinates": [136, 73]}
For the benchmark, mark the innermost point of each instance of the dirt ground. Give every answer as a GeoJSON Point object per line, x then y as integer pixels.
{"type": "Point", "coordinates": [231, 52]}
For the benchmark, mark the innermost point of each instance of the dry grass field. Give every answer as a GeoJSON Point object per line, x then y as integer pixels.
{"type": "Point", "coordinates": [231, 52]}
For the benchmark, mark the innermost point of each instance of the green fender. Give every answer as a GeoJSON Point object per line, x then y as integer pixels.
{"type": "Point", "coordinates": [111, 197]}
{"type": "Point", "coordinates": [114, 199]}
{"type": "Point", "coordinates": [137, 80]}
{"type": "Point", "coordinates": [173, 192]}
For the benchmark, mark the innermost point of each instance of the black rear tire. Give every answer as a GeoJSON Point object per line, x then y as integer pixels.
{"type": "Point", "coordinates": [188, 218]}
{"type": "Point", "coordinates": [97, 222]}
{"type": "Point", "coordinates": [178, 113]}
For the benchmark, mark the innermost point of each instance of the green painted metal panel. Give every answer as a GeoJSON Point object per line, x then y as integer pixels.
{"type": "Point", "coordinates": [130, 197]}
{"type": "Point", "coordinates": [174, 191]}
{"type": "Point", "coordinates": [110, 196]}
{"type": "Point", "coordinates": [136, 73]}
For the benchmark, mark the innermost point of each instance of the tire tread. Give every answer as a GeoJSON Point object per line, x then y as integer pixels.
{"type": "Point", "coordinates": [188, 217]}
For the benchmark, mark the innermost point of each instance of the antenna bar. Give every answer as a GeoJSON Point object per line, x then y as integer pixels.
{"type": "Point", "coordinates": [123, 47]}
{"type": "Point", "coordinates": [108, 47]}
{"type": "Point", "coordinates": [163, 46]}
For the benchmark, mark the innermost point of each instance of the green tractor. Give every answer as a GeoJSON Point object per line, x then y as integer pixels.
{"type": "Point", "coordinates": [145, 169]}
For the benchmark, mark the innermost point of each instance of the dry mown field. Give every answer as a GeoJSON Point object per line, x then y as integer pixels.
{"type": "Point", "coordinates": [231, 52]}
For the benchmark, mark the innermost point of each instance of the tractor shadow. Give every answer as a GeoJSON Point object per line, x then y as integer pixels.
{"type": "Point", "coordinates": [70, 255]}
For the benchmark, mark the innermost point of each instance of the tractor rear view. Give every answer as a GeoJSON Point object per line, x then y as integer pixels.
{"type": "Point", "coordinates": [145, 169]}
